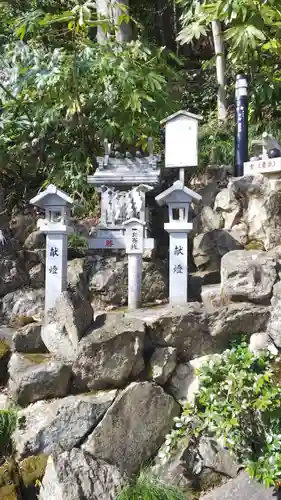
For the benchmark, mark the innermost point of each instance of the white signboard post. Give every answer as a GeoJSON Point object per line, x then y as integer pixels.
{"type": "Point", "coordinates": [57, 206]}
{"type": "Point", "coordinates": [134, 249]}
{"type": "Point", "coordinates": [178, 198]}
{"type": "Point", "coordinates": [263, 166]}
{"type": "Point", "coordinates": [181, 141]}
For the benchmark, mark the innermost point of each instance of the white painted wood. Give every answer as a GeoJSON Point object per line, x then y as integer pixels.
{"type": "Point", "coordinates": [181, 148]}
{"type": "Point", "coordinates": [56, 268]}
{"type": "Point", "coordinates": [265, 166]}
{"type": "Point", "coordinates": [117, 243]}
{"type": "Point", "coordinates": [178, 269]}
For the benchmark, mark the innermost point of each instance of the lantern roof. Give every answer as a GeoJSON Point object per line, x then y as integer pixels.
{"type": "Point", "coordinates": [181, 113]}
{"type": "Point", "coordinates": [177, 193]}
{"type": "Point", "coordinates": [51, 196]}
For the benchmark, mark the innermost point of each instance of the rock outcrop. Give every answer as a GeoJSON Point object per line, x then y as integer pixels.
{"type": "Point", "coordinates": [76, 475]}
{"type": "Point", "coordinates": [37, 377]}
{"type": "Point", "coordinates": [59, 425]}
{"type": "Point", "coordinates": [134, 427]}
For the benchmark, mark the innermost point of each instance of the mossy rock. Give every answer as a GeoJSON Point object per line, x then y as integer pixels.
{"type": "Point", "coordinates": [4, 349]}
{"type": "Point", "coordinates": [37, 358]}
{"type": "Point", "coordinates": [32, 469]}
{"type": "Point", "coordinates": [254, 245]}
{"type": "Point", "coordinates": [5, 354]}
{"type": "Point", "coordinates": [9, 481]}
{"type": "Point", "coordinates": [19, 321]}
{"type": "Point", "coordinates": [8, 492]}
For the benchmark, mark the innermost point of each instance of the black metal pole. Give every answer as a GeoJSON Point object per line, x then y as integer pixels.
{"type": "Point", "coordinates": [241, 136]}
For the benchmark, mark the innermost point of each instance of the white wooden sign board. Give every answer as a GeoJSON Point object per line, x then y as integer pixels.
{"type": "Point", "coordinates": [134, 240]}
{"type": "Point", "coordinates": [181, 148]}
{"type": "Point", "coordinates": [116, 242]}
{"type": "Point", "coordinates": [266, 166]}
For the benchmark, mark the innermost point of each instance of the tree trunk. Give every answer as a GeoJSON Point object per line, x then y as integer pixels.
{"type": "Point", "coordinates": [220, 65]}
{"type": "Point", "coordinates": [112, 9]}
{"type": "Point", "coordinates": [124, 32]}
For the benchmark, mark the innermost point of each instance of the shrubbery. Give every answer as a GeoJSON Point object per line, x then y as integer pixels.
{"type": "Point", "coordinates": [238, 403]}
{"type": "Point", "coordinates": [147, 487]}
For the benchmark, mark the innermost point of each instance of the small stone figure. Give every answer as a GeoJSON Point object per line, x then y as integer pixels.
{"type": "Point", "coordinates": [274, 153]}
{"type": "Point", "coordinates": [268, 143]}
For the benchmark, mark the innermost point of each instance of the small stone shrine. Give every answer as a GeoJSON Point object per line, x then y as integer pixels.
{"type": "Point", "coordinates": [268, 161]}
{"type": "Point", "coordinates": [122, 181]}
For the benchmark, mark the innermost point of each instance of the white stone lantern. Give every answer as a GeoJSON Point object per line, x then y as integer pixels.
{"type": "Point", "coordinates": [57, 206]}
{"type": "Point", "coordinates": [178, 198]}
{"type": "Point", "coordinates": [181, 140]}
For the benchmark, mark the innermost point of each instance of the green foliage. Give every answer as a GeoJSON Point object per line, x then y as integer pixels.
{"type": "Point", "coordinates": [238, 403]}
{"type": "Point", "coordinates": [8, 422]}
{"type": "Point", "coordinates": [78, 242]}
{"type": "Point", "coordinates": [147, 487]}
{"type": "Point", "coordinates": [64, 94]}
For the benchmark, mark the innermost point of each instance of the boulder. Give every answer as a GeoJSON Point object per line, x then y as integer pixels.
{"type": "Point", "coordinates": [35, 240]}
{"type": "Point", "coordinates": [209, 247]}
{"type": "Point", "coordinates": [248, 275]}
{"type": "Point", "coordinates": [76, 475]}
{"type": "Point", "coordinates": [78, 271]}
{"type": "Point", "coordinates": [28, 339]}
{"type": "Point", "coordinates": [182, 327]}
{"type": "Point", "coordinates": [75, 314]}
{"type": "Point", "coordinates": [13, 275]}
{"type": "Point", "coordinates": [228, 207]}
{"type": "Point", "coordinates": [35, 377]}
{"type": "Point", "coordinates": [240, 233]}
{"type": "Point", "coordinates": [59, 425]}
{"type": "Point", "coordinates": [237, 319]}
{"type": "Point", "coordinates": [162, 364]}
{"type": "Point", "coordinates": [110, 355]}
{"type": "Point", "coordinates": [260, 342]}
{"type": "Point", "coordinates": [66, 324]}
{"type": "Point", "coordinates": [212, 297]}
{"type": "Point", "coordinates": [134, 427]}
{"type": "Point", "coordinates": [57, 341]}
{"type": "Point", "coordinates": [241, 488]}
{"type": "Point", "coordinates": [184, 382]}
{"type": "Point", "coordinates": [24, 302]}
{"type": "Point", "coordinates": [37, 276]}
{"type": "Point", "coordinates": [198, 463]}
{"type": "Point", "coordinates": [261, 198]}
{"type": "Point", "coordinates": [210, 220]}
{"type": "Point", "coordinates": [108, 281]}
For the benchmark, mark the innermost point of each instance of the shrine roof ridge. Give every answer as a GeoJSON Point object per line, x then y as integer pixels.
{"type": "Point", "coordinates": [177, 186]}
{"type": "Point", "coordinates": [51, 190]}
{"type": "Point", "coordinates": [179, 113]}
{"type": "Point", "coordinates": [107, 163]}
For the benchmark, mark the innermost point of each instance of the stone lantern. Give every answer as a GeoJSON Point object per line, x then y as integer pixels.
{"type": "Point", "coordinates": [178, 198]}
{"type": "Point", "coordinates": [57, 206]}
